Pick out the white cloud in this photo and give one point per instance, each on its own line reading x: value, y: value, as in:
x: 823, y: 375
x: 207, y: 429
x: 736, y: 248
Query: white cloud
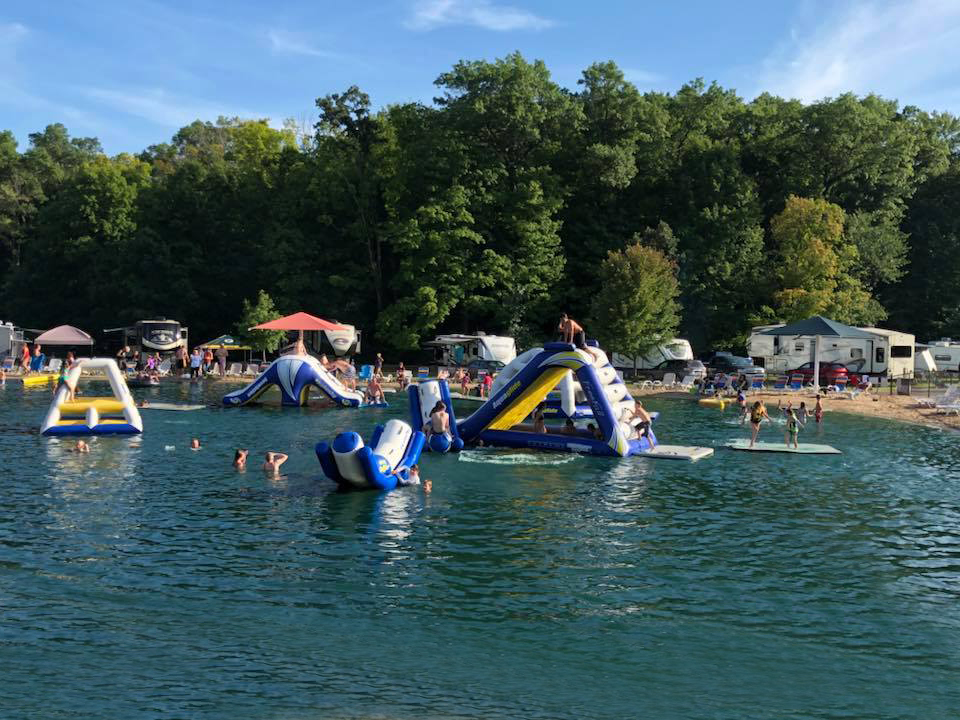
x: 162, y: 108
x: 431, y: 14
x: 901, y: 49
x: 291, y: 44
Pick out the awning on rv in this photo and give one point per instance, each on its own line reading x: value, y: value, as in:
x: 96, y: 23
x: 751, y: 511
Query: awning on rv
x: 819, y: 325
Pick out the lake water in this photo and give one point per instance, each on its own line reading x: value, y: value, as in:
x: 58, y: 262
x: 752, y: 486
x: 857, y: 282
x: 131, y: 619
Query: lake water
x: 146, y: 580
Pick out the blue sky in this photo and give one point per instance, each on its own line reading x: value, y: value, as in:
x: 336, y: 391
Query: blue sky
x: 133, y: 71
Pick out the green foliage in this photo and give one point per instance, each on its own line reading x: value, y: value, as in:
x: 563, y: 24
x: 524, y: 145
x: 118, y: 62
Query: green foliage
x: 256, y: 313
x: 495, y: 207
x: 635, y: 308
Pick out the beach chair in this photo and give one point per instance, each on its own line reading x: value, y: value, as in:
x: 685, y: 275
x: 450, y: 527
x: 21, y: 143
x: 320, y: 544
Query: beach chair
x: 235, y: 369
x: 263, y: 367
x: 251, y: 370
x: 948, y: 397
x: 423, y: 373
x: 780, y: 384
x: 686, y: 383
x: 796, y: 383
x: 163, y: 369
x: 757, y: 384
x: 669, y: 380
x: 366, y: 372
x: 7, y: 365
x: 54, y: 365
x: 862, y: 390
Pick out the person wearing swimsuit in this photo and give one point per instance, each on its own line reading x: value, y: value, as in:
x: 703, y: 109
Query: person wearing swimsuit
x: 757, y: 414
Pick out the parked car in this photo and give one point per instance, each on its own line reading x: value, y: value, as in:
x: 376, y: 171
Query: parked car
x: 831, y: 373
x: 733, y: 365
x: 490, y: 366
x: 680, y: 369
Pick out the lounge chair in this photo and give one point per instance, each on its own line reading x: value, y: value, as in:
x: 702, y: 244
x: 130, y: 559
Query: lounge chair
x: 163, y: 369
x: 235, y: 369
x: 949, y: 396
x: 863, y: 390
x: 7, y: 365
x: 366, y: 372
x: 251, y: 370
x: 796, y: 383
x: 54, y: 365
x: 423, y: 373
x: 780, y: 384
x: 686, y: 383
x: 669, y: 380
x: 756, y: 384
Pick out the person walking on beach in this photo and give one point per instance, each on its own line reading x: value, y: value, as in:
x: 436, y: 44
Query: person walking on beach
x: 378, y: 365
x: 24, y: 358
x: 402, y: 377
x: 757, y: 414
x: 222, y: 360
x: 272, y: 463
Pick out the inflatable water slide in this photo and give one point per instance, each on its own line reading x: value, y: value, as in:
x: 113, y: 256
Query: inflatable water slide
x: 115, y: 415
x: 382, y: 465
x: 294, y: 375
x: 525, y: 383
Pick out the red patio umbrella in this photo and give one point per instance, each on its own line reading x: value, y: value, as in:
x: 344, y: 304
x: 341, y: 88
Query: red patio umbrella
x: 299, y: 321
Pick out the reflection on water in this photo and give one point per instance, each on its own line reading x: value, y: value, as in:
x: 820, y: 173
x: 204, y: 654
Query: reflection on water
x: 142, y: 582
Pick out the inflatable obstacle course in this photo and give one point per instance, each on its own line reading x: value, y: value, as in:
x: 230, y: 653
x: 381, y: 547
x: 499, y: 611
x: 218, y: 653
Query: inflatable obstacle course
x: 423, y: 398
x: 384, y: 464
x: 93, y: 415
x: 294, y: 375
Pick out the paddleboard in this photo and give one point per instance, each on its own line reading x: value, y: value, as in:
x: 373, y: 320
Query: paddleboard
x: 169, y: 406
x: 690, y: 453
x: 804, y: 449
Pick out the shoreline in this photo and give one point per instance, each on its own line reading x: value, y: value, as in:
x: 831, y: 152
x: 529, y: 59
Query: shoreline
x: 901, y: 408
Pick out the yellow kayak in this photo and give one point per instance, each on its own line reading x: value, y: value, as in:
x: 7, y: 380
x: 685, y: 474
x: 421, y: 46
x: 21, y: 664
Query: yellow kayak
x: 713, y: 402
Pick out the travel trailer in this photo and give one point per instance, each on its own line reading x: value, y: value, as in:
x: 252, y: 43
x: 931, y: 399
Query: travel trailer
x: 11, y: 340
x: 675, y: 349
x: 456, y: 350
x: 157, y: 335
x: 945, y: 353
x: 887, y: 354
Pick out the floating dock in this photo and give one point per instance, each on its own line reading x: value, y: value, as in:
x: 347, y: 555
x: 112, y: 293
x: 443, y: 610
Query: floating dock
x: 804, y: 449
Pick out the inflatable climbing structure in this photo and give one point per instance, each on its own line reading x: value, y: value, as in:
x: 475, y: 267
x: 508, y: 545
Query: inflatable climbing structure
x: 93, y: 415
x: 385, y: 463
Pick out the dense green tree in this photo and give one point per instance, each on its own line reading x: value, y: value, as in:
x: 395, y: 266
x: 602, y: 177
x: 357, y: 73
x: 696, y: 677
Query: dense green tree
x: 256, y: 313
x: 635, y: 307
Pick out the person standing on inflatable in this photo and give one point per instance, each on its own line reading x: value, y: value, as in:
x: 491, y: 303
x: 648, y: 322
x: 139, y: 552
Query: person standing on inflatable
x: 572, y: 331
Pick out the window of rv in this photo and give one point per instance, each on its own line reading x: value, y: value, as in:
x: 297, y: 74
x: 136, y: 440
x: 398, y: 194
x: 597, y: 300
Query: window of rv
x: 798, y: 346
x: 901, y: 351
x: 880, y: 355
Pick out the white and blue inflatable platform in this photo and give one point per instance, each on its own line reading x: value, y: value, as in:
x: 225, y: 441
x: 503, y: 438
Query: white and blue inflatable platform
x: 383, y: 465
x: 294, y: 375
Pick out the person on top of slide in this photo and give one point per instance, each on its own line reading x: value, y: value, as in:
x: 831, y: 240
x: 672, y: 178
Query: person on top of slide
x: 573, y: 333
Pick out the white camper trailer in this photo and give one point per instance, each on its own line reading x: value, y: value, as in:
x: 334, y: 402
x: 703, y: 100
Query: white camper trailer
x: 457, y: 350
x: 945, y: 352
x: 887, y: 353
x: 675, y: 349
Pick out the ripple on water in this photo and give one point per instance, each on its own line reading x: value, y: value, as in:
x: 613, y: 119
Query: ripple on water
x: 139, y: 582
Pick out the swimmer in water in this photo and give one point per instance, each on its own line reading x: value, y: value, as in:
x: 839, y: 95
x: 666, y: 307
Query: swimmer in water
x: 240, y: 459
x: 195, y: 443
x: 273, y: 461
x: 81, y: 447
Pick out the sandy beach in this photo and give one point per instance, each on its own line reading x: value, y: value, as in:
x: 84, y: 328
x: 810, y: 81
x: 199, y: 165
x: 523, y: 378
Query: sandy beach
x: 904, y: 408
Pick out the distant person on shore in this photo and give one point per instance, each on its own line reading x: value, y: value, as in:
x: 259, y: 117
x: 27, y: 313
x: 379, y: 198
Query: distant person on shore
x: 485, y: 385
x: 37, y: 362
x: 439, y: 423
x: 183, y: 361
x: 757, y: 414
x: 378, y: 365
x: 25, y: 358
x: 222, y: 360
x: 208, y: 360
x: 350, y: 375
x: 196, y: 359
x: 402, y: 377
x: 464, y: 382
x: 818, y: 410
x: 273, y: 461
x: 240, y: 459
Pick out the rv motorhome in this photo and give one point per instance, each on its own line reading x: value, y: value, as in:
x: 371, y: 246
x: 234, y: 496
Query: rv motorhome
x: 11, y: 340
x: 945, y: 352
x: 675, y: 349
x: 888, y: 353
x: 456, y: 350
x: 157, y: 335
x: 340, y: 342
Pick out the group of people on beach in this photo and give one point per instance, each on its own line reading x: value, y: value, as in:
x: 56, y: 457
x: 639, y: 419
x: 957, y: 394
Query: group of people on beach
x: 795, y: 418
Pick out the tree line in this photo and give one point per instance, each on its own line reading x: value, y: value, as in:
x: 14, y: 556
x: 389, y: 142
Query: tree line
x: 502, y: 203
